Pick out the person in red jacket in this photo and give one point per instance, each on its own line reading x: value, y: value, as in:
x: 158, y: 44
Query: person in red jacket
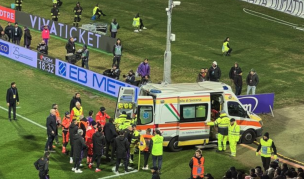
x: 101, y: 117
x: 66, y: 122
x: 89, y: 140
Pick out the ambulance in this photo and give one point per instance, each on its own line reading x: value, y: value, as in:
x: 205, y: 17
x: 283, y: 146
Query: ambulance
x: 180, y: 111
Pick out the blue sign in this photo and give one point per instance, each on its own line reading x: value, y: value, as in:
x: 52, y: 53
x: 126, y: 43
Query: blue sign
x: 4, y: 48
x: 146, y: 115
x: 260, y: 103
x: 91, y: 79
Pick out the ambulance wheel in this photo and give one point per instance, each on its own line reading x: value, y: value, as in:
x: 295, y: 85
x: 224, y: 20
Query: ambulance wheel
x: 248, y: 137
x: 173, y: 145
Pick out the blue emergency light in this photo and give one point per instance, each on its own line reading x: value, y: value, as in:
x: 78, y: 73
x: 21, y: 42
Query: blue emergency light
x: 155, y: 91
x: 225, y: 87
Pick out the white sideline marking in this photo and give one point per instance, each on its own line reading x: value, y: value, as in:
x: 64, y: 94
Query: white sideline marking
x: 121, y: 174
x: 27, y: 119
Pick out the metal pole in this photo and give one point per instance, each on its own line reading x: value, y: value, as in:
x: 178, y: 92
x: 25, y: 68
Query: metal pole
x: 167, y: 56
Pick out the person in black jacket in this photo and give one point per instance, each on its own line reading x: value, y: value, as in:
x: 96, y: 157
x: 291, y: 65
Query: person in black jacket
x: 70, y: 46
x: 238, y: 82
x: 55, y: 12
x: 214, y: 72
x: 17, y: 34
x: 130, y: 78
x: 233, y: 71
x: 73, y: 131
x: 27, y: 38
x: 51, y: 126
x: 42, y: 164
x: 79, y: 145
x: 121, y: 146
x: 42, y: 47
x: 155, y: 174
x: 110, y: 133
x: 77, y: 11
x: 9, y: 31
x: 75, y: 99
x: 98, y: 145
x: 1, y: 28
x: 12, y: 99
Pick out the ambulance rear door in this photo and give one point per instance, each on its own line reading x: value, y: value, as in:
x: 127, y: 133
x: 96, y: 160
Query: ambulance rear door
x: 145, y: 113
x: 125, y: 101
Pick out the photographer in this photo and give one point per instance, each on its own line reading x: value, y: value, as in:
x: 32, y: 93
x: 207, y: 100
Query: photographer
x: 70, y: 46
x: 145, y: 80
x: 112, y: 73
x: 85, y: 57
x: 42, y: 47
x: 130, y: 78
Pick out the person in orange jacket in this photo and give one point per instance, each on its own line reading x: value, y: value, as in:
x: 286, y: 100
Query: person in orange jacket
x: 89, y: 140
x: 58, y: 121
x: 66, y: 122
x: 101, y: 117
x: 146, y: 152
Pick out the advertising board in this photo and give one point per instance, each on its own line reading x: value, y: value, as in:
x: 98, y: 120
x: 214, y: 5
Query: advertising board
x: 7, y: 14
x: 258, y: 104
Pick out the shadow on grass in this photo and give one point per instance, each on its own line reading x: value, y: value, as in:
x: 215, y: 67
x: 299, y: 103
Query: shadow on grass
x: 100, y: 68
x: 239, y: 51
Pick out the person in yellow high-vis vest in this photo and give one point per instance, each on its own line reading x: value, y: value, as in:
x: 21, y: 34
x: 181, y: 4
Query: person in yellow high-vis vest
x: 134, y: 143
x: 156, y: 149
x: 265, y: 149
x: 77, y: 112
x: 120, y: 120
x: 226, y: 48
x: 138, y: 23
x: 233, y: 136
x: 222, y: 122
x: 97, y: 12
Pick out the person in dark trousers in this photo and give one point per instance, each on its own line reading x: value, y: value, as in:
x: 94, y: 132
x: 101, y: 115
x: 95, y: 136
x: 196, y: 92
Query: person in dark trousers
x: 9, y: 31
x: 42, y: 164
x: 130, y: 78
x: 226, y: 47
x: 98, y: 145
x: 55, y: 13
x: 146, y: 152
x: 27, y: 38
x: 17, y: 34
x: 155, y: 174
x: 85, y: 57
x: 265, y: 149
x: 197, y: 165
x: 114, y: 72
x: 156, y: 149
x: 51, y: 126
x: 117, y: 53
x: 78, y: 12
x: 79, y: 145
x: 252, y: 81
x: 18, y: 4
x: 111, y: 134
x: 70, y: 46
x: 215, y: 72
x: 75, y: 99
x: 233, y: 71
x: 42, y: 47
x: 121, y: 147
x: 238, y: 82
x: 114, y: 28
x: 97, y: 12
x: 141, y: 26
x: 73, y: 131
x: 12, y: 99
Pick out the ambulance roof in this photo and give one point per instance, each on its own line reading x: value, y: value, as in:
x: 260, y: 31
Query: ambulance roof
x: 206, y: 86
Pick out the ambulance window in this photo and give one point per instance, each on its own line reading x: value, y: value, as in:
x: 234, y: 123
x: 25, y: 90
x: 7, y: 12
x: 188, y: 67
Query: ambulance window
x: 145, y: 115
x: 235, y: 109
x: 194, y: 112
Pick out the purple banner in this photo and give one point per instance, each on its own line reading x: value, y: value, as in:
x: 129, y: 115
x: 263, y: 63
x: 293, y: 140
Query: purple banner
x: 260, y: 103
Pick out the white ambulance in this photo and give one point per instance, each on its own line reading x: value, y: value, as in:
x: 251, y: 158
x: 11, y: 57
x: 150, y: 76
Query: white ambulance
x: 181, y: 110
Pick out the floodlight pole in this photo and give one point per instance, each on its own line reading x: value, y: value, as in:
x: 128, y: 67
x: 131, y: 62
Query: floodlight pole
x: 167, y: 56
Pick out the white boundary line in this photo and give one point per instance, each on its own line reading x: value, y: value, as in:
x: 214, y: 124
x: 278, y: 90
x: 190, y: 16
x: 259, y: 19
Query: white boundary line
x: 113, y: 176
x: 27, y: 119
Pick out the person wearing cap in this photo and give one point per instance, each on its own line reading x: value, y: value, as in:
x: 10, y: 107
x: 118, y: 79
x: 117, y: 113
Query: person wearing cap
x: 12, y: 100
x: 110, y: 133
x: 214, y: 72
x: 130, y: 78
x: 66, y: 122
x: 121, y: 148
x: 77, y: 111
x: 114, y: 28
x: 17, y: 34
x: 238, y: 82
x: 78, y: 12
x: 55, y: 12
x: 101, y: 117
x: 233, y: 71
x: 252, y: 81
x: 155, y: 174
x: 85, y: 57
x: 78, y: 145
x: 91, y: 129
x: 226, y: 48
x: 265, y: 149
x: 117, y: 52
x: 197, y: 165
x: 73, y: 131
x: 134, y: 142
x: 18, y: 4
x: 233, y: 136
x: 156, y: 149
x: 120, y: 120
x: 222, y: 122
x: 98, y: 146
x: 42, y: 164
x: 27, y: 38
